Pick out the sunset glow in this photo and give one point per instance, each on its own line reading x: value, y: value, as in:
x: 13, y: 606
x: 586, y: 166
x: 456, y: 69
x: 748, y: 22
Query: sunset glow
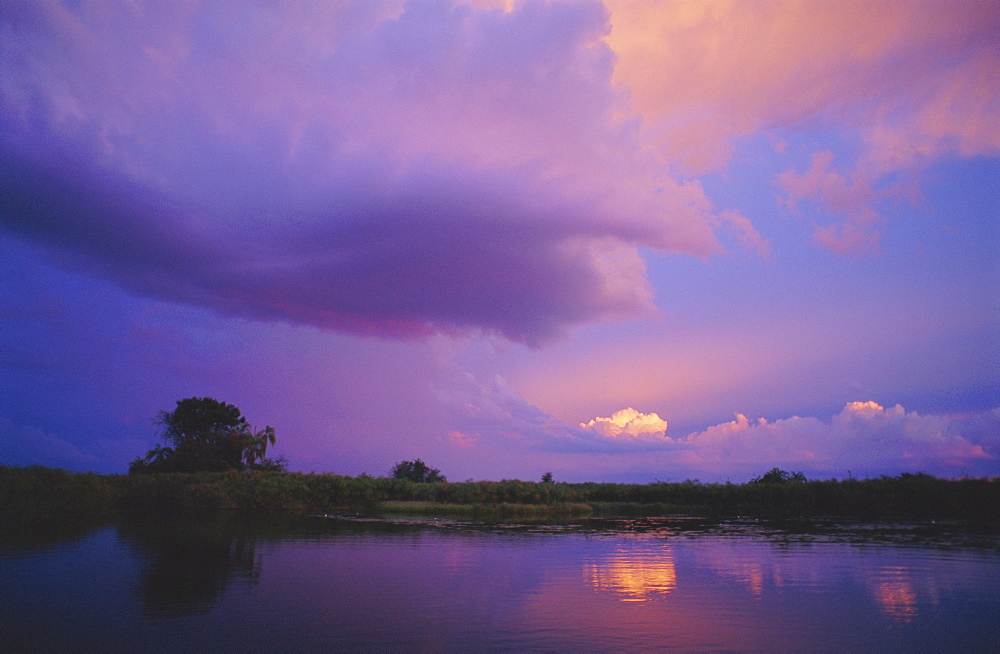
x: 615, y: 241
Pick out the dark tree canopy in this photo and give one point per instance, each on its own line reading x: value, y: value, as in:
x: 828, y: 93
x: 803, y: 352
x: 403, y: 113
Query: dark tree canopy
x: 205, y: 435
x: 417, y: 471
x: 199, y: 419
x: 778, y: 476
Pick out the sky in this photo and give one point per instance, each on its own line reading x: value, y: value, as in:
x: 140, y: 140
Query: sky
x: 626, y: 241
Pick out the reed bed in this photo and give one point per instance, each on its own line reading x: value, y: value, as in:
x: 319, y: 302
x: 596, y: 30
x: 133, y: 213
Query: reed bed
x: 38, y: 493
x: 501, y: 510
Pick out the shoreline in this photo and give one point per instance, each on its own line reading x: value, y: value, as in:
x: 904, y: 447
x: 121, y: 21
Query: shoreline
x: 37, y: 493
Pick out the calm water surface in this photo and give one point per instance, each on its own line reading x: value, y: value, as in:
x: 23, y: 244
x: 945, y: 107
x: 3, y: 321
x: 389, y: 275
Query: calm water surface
x: 436, y: 585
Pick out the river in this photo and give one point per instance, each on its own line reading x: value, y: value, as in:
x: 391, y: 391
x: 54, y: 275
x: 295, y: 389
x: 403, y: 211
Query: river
x: 379, y: 584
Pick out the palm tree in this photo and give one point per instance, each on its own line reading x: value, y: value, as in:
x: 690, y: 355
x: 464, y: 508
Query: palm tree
x: 154, y: 458
x: 256, y: 448
x: 158, y: 454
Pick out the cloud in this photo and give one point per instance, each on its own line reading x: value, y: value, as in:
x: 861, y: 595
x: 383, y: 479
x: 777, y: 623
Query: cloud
x: 744, y: 231
x: 375, y: 168
x: 901, y: 84
x: 629, y: 424
x: 25, y: 445
x: 402, y: 168
x: 495, y: 411
x: 493, y: 414
x: 715, y: 70
x: 864, y: 436
x: 854, y: 201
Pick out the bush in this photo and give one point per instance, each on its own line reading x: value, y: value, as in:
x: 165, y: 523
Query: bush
x: 417, y: 471
x: 778, y: 476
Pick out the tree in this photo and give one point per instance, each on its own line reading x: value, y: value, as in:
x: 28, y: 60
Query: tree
x: 417, y: 471
x: 547, y: 478
x: 779, y: 476
x: 257, y: 449
x: 204, y: 434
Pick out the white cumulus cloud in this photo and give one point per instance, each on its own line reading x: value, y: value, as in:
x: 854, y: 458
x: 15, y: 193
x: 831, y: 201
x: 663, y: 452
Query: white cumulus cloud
x: 628, y: 424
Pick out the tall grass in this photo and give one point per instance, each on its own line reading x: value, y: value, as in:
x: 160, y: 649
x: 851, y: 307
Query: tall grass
x: 502, y: 510
x: 37, y: 493
x: 48, y: 493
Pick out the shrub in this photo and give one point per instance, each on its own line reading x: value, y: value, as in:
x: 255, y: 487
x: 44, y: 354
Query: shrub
x: 417, y: 471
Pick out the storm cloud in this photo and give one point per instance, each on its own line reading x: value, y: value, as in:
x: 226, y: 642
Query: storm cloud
x: 436, y: 168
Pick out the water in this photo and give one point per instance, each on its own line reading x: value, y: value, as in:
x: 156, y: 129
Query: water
x: 434, y: 585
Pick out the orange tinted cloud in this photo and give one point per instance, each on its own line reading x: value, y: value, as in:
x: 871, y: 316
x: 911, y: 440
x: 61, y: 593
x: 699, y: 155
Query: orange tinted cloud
x: 628, y: 423
x: 907, y: 83
x: 706, y: 71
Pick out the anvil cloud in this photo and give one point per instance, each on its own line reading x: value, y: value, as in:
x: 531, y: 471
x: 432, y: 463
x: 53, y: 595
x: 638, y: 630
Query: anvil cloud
x: 360, y: 212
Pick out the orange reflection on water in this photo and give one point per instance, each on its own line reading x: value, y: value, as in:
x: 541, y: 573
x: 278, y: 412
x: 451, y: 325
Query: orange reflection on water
x: 895, y: 594
x: 753, y: 577
x: 634, y: 576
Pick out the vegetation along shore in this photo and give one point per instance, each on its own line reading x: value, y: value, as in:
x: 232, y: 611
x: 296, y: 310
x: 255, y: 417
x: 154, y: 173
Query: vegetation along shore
x: 212, y: 459
x: 35, y: 493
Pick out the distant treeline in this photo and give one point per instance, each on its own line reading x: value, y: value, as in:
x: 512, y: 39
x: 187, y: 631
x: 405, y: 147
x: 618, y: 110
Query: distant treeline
x: 36, y: 493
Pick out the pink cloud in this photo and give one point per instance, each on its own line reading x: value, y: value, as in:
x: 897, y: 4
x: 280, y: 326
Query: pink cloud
x: 721, y: 69
x: 855, y: 200
x: 863, y: 436
x: 909, y: 83
x: 741, y: 227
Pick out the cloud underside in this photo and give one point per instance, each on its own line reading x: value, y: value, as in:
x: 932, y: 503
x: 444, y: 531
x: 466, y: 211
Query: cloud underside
x: 423, y: 264
x: 439, y: 169
x: 404, y: 168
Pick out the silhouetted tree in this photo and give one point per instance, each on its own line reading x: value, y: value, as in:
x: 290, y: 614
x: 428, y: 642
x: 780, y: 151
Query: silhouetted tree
x: 417, y: 471
x: 204, y: 434
x: 779, y: 476
x: 547, y: 478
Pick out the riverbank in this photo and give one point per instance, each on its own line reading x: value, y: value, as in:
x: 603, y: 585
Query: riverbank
x: 37, y: 494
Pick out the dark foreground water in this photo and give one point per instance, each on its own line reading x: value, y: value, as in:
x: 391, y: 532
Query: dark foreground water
x: 434, y: 585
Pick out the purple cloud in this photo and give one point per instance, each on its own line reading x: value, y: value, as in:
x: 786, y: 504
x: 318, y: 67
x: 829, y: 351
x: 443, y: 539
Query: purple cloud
x: 374, y: 171
x: 27, y: 445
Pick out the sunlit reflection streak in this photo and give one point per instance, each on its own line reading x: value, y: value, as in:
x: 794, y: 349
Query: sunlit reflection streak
x: 895, y: 594
x: 754, y: 579
x: 634, y: 576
